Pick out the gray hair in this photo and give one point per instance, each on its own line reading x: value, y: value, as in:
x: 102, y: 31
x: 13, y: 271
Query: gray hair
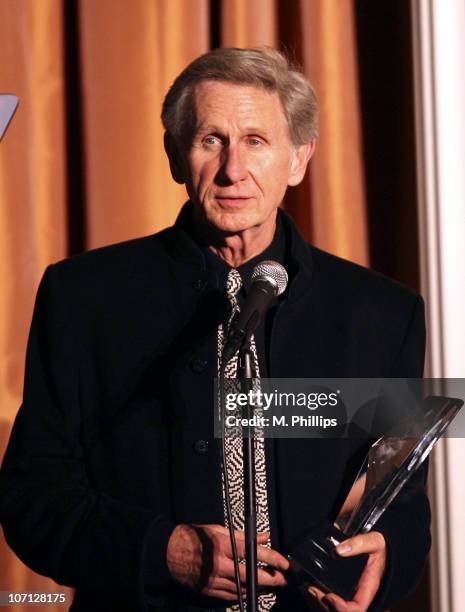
x: 262, y: 67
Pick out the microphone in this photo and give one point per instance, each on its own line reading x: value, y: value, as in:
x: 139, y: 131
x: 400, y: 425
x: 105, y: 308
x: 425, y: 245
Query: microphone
x: 268, y: 280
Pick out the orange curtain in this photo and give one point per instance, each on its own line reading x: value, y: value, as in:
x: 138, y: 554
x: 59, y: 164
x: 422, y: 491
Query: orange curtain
x: 91, y: 138
x: 131, y: 53
x: 249, y: 23
x: 33, y: 204
x: 336, y: 180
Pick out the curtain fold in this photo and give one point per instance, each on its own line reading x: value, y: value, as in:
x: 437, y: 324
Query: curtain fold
x: 248, y: 23
x: 33, y: 221
x: 32, y: 172
x: 336, y: 180
x: 131, y: 53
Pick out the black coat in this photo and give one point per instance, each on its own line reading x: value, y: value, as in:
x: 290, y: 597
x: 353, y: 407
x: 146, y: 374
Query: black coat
x: 113, y: 445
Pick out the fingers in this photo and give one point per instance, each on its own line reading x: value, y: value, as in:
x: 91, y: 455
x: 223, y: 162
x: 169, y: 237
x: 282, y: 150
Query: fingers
x: 220, y: 583
x: 314, y: 599
x: 225, y: 595
x: 272, y: 557
x: 266, y: 577
x: 219, y: 578
x: 365, y: 543
x: 334, y: 603
x: 265, y: 554
x: 316, y: 592
x: 374, y: 544
x: 227, y: 569
x: 271, y: 578
x: 264, y: 536
x: 240, y: 535
x: 370, y: 579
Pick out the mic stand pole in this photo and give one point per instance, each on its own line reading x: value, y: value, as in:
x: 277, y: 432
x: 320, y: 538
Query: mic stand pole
x: 246, y: 375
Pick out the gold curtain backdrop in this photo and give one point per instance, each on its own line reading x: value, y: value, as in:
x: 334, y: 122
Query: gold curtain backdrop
x: 131, y: 53
x: 33, y: 203
x: 125, y: 55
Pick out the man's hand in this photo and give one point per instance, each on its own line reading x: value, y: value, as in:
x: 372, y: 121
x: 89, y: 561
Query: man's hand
x: 372, y: 543
x: 200, y: 558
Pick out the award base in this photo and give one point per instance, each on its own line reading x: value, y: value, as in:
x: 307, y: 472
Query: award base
x: 314, y: 561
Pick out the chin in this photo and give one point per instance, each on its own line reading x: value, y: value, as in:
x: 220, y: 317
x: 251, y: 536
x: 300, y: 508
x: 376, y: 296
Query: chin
x: 233, y: 223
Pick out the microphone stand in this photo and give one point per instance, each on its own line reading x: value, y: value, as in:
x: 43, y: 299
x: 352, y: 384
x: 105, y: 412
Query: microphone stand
x: 246, y: 375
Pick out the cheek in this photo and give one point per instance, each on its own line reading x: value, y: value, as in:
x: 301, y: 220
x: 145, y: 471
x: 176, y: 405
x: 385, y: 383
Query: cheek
x: 273, y: 173
x: 205, y: 174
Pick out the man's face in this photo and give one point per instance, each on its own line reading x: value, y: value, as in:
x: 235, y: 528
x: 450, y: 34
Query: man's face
x: 240, y: 159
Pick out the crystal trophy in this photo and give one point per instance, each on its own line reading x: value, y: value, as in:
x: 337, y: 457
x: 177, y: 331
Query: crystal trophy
x: 390, y: 462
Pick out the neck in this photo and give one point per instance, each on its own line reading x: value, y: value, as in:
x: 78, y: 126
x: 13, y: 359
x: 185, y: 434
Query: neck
x: 236, y: 249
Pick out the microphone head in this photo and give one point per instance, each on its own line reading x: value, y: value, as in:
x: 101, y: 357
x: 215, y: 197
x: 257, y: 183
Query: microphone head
x: 273, y: 272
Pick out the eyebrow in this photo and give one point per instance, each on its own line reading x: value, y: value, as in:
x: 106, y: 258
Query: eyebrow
x: 214, y: 129
x: 207, y: 128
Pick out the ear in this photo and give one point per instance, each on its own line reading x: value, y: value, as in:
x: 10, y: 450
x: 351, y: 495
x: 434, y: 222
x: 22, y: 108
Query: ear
x: 173, y: 152
x: 300, y: 158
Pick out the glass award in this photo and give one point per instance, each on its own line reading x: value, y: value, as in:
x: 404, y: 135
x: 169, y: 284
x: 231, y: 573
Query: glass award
x: 390, y: 462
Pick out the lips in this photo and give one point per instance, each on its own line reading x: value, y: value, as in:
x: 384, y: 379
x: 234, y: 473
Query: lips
x: 231, y: 197
x: 232, y: 200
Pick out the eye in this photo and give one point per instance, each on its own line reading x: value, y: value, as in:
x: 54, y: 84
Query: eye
x: 211, y: 140
x: 254, y: 141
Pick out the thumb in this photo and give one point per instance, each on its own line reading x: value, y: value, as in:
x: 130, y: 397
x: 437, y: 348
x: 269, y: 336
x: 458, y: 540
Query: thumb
x: 364, y: 543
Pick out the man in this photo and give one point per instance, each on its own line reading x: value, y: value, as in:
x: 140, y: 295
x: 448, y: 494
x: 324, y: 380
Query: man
x: 111, y: 482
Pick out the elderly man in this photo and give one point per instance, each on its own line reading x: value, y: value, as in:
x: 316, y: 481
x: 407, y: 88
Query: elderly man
x: 112, y: 482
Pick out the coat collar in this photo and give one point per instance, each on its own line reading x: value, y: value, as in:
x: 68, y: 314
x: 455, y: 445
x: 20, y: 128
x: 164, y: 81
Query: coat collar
x: 299, y: 260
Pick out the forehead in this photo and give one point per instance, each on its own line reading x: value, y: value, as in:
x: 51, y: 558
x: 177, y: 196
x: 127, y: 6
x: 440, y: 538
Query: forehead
x: 221, y: 103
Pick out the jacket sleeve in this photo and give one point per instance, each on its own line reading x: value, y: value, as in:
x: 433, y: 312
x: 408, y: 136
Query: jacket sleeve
x: 406, y: 522
x: 52, y: 518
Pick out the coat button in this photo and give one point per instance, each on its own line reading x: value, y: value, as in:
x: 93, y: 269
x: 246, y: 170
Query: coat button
x: 201, y: 447
x: 198, y: 365
x: 200, y: 285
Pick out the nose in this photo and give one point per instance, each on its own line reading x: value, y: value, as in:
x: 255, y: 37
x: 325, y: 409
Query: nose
x: 234, y: 167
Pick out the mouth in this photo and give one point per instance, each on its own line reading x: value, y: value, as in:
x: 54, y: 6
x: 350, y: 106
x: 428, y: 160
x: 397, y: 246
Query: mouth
x: 232, y: 201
